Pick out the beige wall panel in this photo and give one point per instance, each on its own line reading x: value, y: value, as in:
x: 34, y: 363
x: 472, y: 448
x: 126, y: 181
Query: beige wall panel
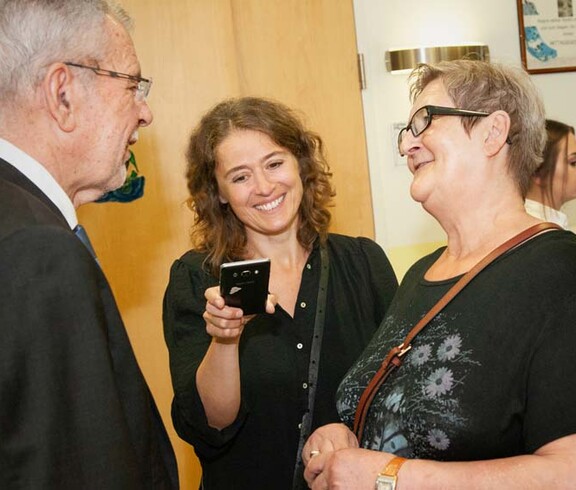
x: 198, y: 52
x: 303, y: 52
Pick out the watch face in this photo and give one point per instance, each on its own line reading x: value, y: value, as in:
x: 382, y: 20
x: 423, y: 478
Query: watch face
x: 386, y: 482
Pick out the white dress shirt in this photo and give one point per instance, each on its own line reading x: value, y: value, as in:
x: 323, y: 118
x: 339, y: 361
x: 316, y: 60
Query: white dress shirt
x: 546, y: 213
x: 43, y: 179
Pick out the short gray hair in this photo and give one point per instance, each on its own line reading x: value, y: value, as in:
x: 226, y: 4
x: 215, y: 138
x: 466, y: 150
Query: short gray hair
x: 37, y: 33
x: 488, y: 87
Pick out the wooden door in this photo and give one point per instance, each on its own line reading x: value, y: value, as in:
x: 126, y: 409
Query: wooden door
x: 301, y: 52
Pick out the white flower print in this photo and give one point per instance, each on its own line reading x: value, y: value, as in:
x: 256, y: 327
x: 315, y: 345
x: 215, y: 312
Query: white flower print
x: 419, y: 411
x: 450, y: 348
x: 394, y: 400
x: 438, y: 439
x: 439, y: 382
x: 420, y: 355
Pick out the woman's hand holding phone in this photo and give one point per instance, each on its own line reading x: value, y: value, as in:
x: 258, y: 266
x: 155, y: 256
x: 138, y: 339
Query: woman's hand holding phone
x: 226, y: 323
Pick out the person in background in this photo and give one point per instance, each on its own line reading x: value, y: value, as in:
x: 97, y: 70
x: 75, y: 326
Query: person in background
x: 485, y: 396
x: 260, y: 188
x: 75, y: 410
x: 554, y: 182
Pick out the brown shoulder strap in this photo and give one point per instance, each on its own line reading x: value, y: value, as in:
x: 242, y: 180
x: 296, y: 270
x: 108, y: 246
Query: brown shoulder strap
x: 464, y: 280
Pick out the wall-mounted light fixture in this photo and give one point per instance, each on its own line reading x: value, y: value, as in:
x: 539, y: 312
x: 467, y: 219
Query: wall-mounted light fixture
x: 404, y: 60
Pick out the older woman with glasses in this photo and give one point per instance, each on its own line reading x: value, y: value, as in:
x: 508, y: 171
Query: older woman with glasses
x: 483, y: 395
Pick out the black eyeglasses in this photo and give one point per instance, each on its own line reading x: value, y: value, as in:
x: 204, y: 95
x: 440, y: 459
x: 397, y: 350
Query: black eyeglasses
x: 422, y: 118
x: 142, y: 89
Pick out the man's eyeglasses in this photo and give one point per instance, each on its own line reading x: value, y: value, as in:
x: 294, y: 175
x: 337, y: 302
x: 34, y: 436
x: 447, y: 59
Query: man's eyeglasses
x: 422, y: 118
x: 143, y: 84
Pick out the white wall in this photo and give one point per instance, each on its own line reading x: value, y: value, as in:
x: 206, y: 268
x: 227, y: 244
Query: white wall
x: 389, y: 24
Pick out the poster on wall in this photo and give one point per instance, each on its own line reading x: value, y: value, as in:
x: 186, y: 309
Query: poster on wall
x: 547, y: 35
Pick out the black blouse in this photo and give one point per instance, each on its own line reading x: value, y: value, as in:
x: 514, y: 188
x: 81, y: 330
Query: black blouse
x: 258, y: 451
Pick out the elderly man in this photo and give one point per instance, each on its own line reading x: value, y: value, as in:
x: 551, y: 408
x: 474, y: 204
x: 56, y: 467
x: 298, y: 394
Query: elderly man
x: 75, y: 410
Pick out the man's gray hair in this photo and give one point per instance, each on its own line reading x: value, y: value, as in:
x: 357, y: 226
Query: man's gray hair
x: 37, y: 33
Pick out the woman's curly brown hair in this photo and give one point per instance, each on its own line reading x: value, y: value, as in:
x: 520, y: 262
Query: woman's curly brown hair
x: 217, y: 231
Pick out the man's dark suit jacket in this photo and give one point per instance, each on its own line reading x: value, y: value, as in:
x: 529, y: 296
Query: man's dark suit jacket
x: 75, y: 410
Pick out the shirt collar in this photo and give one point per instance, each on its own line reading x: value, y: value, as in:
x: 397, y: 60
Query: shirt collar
x: 546, y: 213
x: 38, y: 174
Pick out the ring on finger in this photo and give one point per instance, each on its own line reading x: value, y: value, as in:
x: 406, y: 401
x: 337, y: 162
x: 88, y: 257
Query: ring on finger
x: 313, y: 453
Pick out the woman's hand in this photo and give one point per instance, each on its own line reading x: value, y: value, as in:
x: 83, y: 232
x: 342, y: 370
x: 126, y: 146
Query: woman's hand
x: 223, y: 323
x: 226, y: 323
x: 328, y: 438
x: 345, y: 469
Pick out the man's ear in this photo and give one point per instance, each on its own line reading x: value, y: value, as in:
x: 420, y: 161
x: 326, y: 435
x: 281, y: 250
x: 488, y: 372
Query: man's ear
x: 58, y: 89
x: 498, y: 127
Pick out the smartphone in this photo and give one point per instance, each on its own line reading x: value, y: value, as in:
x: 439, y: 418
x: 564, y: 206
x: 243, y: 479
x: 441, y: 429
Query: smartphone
x: 244, y: 284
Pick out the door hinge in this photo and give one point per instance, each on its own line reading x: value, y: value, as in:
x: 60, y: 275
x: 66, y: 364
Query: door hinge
x: 361, y: 71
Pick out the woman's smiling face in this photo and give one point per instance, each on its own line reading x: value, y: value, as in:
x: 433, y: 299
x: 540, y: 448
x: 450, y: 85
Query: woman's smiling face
x: 443, y: 158
x: 260, y: 181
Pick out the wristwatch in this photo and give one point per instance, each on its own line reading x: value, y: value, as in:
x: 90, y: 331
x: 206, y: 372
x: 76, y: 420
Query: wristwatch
x: 388, y: 477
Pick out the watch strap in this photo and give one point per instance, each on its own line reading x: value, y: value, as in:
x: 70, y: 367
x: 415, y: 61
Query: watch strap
x: 393, y: 466
x: 388, y: 477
